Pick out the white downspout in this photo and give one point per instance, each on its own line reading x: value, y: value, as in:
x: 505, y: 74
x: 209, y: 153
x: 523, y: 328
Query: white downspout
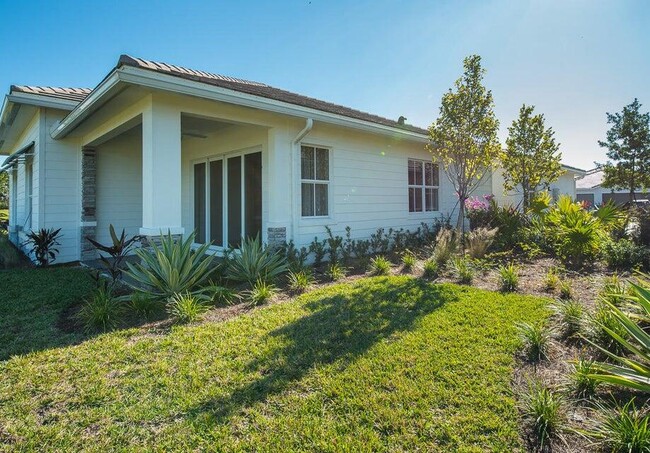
x: 309, y: 124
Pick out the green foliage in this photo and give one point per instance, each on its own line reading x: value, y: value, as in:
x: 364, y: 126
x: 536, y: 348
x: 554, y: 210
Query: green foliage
x: 10, y: 257
x: 255, y: 262
x: 614, y: 290
x: 379, y: 265
x: 536, y: 340
x: 408, y: 260
x: 509, y: 277
x: 551, y: 280
x: 628, y: 149
x: 463, y: 269
x: 317, y: 247
x: 335, y: 272
x: 510, y: 223
x: 446, y: 246
x: 478, y: 241
x: 144, y: 305
x: 581, y: 382
x: 622, y: 429
x: 301, y: 280
x: 531, y: 160
x: 544, y: 410
x: 464, y: 137
x: 571, y: 315
x: 172, y: 267
x: 261, y: 292
x: 43, y: 244
x: 334, y: 246
x: 185, y: 308
x: 117, y: 252
x: 296, y: 258
x: 605, y: 328
x: 566, y: 289
x: 102, y: 312
x: 431, y: 269
x: 624, y: 254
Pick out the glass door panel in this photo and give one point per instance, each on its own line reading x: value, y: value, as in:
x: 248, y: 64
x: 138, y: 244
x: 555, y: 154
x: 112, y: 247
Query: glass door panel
x: 216, y: 202
x: 199, y: 202
x: 234, y: 201
x: 253, y: 194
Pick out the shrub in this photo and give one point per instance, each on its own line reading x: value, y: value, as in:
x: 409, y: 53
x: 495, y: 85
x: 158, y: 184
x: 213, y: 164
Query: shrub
x: 43, y: 244
x: 318, y: 249
x: 622, y: 429
x: 624, y: 254
x: 613, y: 291
x: 255, y: 262
x: 431, y: 269
x: 300, y: 281
x: 185, y: 308
x: 478, y: 241
x: 143, y: 304
x: 581, y: 381
x: 551, y: 281
x: 261, y: 292
x: 446, y: 245
x: 509, y: 276
x: 172, y: 267
x: 295, y: 257
x: 479, y: 211
x: 335, y: 272
x: 408, y: 260
x: 510, y: 222
x: 571, y: 314
x: 536, y: 340
x: 544, y: 409
x: 605, y: 329
x: 102, y: 312
x: 380, y: 266
x: 566, y: 290
x: 463, y: 270
x: 117, y: 252
x: 334, y: 245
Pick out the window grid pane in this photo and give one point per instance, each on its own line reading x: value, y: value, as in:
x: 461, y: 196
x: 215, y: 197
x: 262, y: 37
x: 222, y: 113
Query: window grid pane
x: 322, y: 164
x: 307, y: 163
x: 415, y: 199
x: 320, y: 199
x: 431, y: 199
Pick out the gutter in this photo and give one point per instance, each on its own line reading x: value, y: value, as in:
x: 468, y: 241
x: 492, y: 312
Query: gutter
x: 309, y: 124
x: 9, y: 162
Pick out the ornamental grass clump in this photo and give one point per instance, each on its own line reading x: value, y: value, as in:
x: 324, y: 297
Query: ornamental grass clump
x: 544, y: 410
x: 536, y: 339
x: 478, y: 241
x: 408, y: 261
x: 301, y: 280
x: 380, y: 266
x: 431, y: 269
x: 261, y: 292
x: 254, y: 262
x: 446, y: 246
x: 571, y: 316
x: 335, y: 272
x: 186, y: 308
x: 509, y: 278
x: 622, y: 428
x: 581, y: 382
x: 463, y: 270
x: 102, y: 312
x: 551, y: 281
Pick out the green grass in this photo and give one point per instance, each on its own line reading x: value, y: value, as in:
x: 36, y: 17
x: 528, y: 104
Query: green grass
x: 384, y: 364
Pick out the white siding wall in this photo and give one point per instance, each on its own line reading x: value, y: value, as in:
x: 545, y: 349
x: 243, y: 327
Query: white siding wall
x: 119, y: 185
x: 565, y: 185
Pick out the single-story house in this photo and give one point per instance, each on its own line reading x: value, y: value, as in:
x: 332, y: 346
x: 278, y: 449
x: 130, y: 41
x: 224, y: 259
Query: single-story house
x: 161, y: 148
x: 590, y: 189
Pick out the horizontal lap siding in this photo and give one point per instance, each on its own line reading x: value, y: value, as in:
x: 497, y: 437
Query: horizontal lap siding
x: 62, y: 188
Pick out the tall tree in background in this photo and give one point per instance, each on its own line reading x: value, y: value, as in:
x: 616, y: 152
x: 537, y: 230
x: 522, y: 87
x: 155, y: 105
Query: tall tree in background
x: 464, y: 137
x: 4, y: 190
x: 628, y: 150
x: 531, y: 160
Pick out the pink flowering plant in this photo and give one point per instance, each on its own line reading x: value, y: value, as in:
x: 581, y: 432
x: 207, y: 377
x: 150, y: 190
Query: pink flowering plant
x: 479, y: 210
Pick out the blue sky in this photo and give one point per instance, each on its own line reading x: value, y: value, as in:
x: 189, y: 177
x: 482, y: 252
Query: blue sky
x: 573, y: 60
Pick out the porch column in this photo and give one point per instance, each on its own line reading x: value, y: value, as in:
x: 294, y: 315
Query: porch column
x: 161, y: 170
x: 279, y: 186
x: 88, y: 203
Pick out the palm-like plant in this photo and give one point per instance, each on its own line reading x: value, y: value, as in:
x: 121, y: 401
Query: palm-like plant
x: 117, y: 251
x: 172, y: 267
x: 43, y: 245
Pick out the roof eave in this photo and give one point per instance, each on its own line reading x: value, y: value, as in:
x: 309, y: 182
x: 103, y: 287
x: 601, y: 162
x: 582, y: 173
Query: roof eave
x: 165, y: 82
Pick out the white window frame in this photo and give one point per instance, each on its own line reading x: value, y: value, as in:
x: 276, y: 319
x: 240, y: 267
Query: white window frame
x: 422, y: 186
x: 316, y: 181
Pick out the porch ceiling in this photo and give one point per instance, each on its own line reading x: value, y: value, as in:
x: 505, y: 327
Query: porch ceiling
x: 200, y: 127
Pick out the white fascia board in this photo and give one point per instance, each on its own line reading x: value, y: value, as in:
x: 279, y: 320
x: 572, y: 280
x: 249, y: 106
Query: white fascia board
x: 165, y: 82
x: 41, y: 101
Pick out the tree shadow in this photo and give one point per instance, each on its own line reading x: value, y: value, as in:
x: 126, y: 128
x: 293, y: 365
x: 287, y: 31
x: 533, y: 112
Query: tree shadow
x: 338, y: 329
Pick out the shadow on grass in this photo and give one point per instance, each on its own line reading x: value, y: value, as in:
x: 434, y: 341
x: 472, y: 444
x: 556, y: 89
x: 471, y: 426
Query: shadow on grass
x: 338, y: 329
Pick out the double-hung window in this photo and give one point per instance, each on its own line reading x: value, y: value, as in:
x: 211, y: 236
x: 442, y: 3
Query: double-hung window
x: 424, y: 182
x: 315, y: 180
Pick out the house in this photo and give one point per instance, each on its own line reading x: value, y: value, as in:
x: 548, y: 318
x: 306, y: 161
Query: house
x: 590, y: 189
x: 158, y: 148
x: 564, y: 185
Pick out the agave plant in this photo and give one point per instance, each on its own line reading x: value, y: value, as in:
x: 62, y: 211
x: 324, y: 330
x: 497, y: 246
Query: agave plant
x: 254, y: 262
x: 631, y: 370
x: 43, y: 245
x: 117, y: 251
x: 172, y: 267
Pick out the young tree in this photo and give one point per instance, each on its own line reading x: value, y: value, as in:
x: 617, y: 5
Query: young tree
x: 628, y: 150
x: 464, y: 137
x: 531, y: 160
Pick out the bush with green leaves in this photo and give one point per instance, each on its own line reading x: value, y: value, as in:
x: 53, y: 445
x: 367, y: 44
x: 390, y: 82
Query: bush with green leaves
x: 102, y: 312
x: 172, y: 267
x: 254, y: 262
x: 624, y: 254
x: 318, y: 248
x: 335, y: 272
x: 622, y: 428
x: 43, y: 244
x: 571, y: 316
x: 379, y: 265
x: 185, y: 308
x: 536, y: 340
x: 408, y: 260
x: 431, y: 269
x: 300, y: 281
x: 463, y: 269
x: 509, y: 277
x: 261, y: 292
x: 544, y: 410
x: 581, y: 382
x: 479, y: 240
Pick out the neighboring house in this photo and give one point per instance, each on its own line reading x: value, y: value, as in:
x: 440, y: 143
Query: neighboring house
x: 590, y: 189
x: 565, y: 185
x: 159, y: 148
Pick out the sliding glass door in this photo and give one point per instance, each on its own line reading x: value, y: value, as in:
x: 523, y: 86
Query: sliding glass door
x: 228, y: 199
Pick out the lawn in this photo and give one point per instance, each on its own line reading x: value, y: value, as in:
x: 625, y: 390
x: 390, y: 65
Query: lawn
x: 383, y: 364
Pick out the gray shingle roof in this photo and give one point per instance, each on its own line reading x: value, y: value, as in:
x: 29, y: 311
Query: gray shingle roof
x: 262, y: 90
x: 70, y: 94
